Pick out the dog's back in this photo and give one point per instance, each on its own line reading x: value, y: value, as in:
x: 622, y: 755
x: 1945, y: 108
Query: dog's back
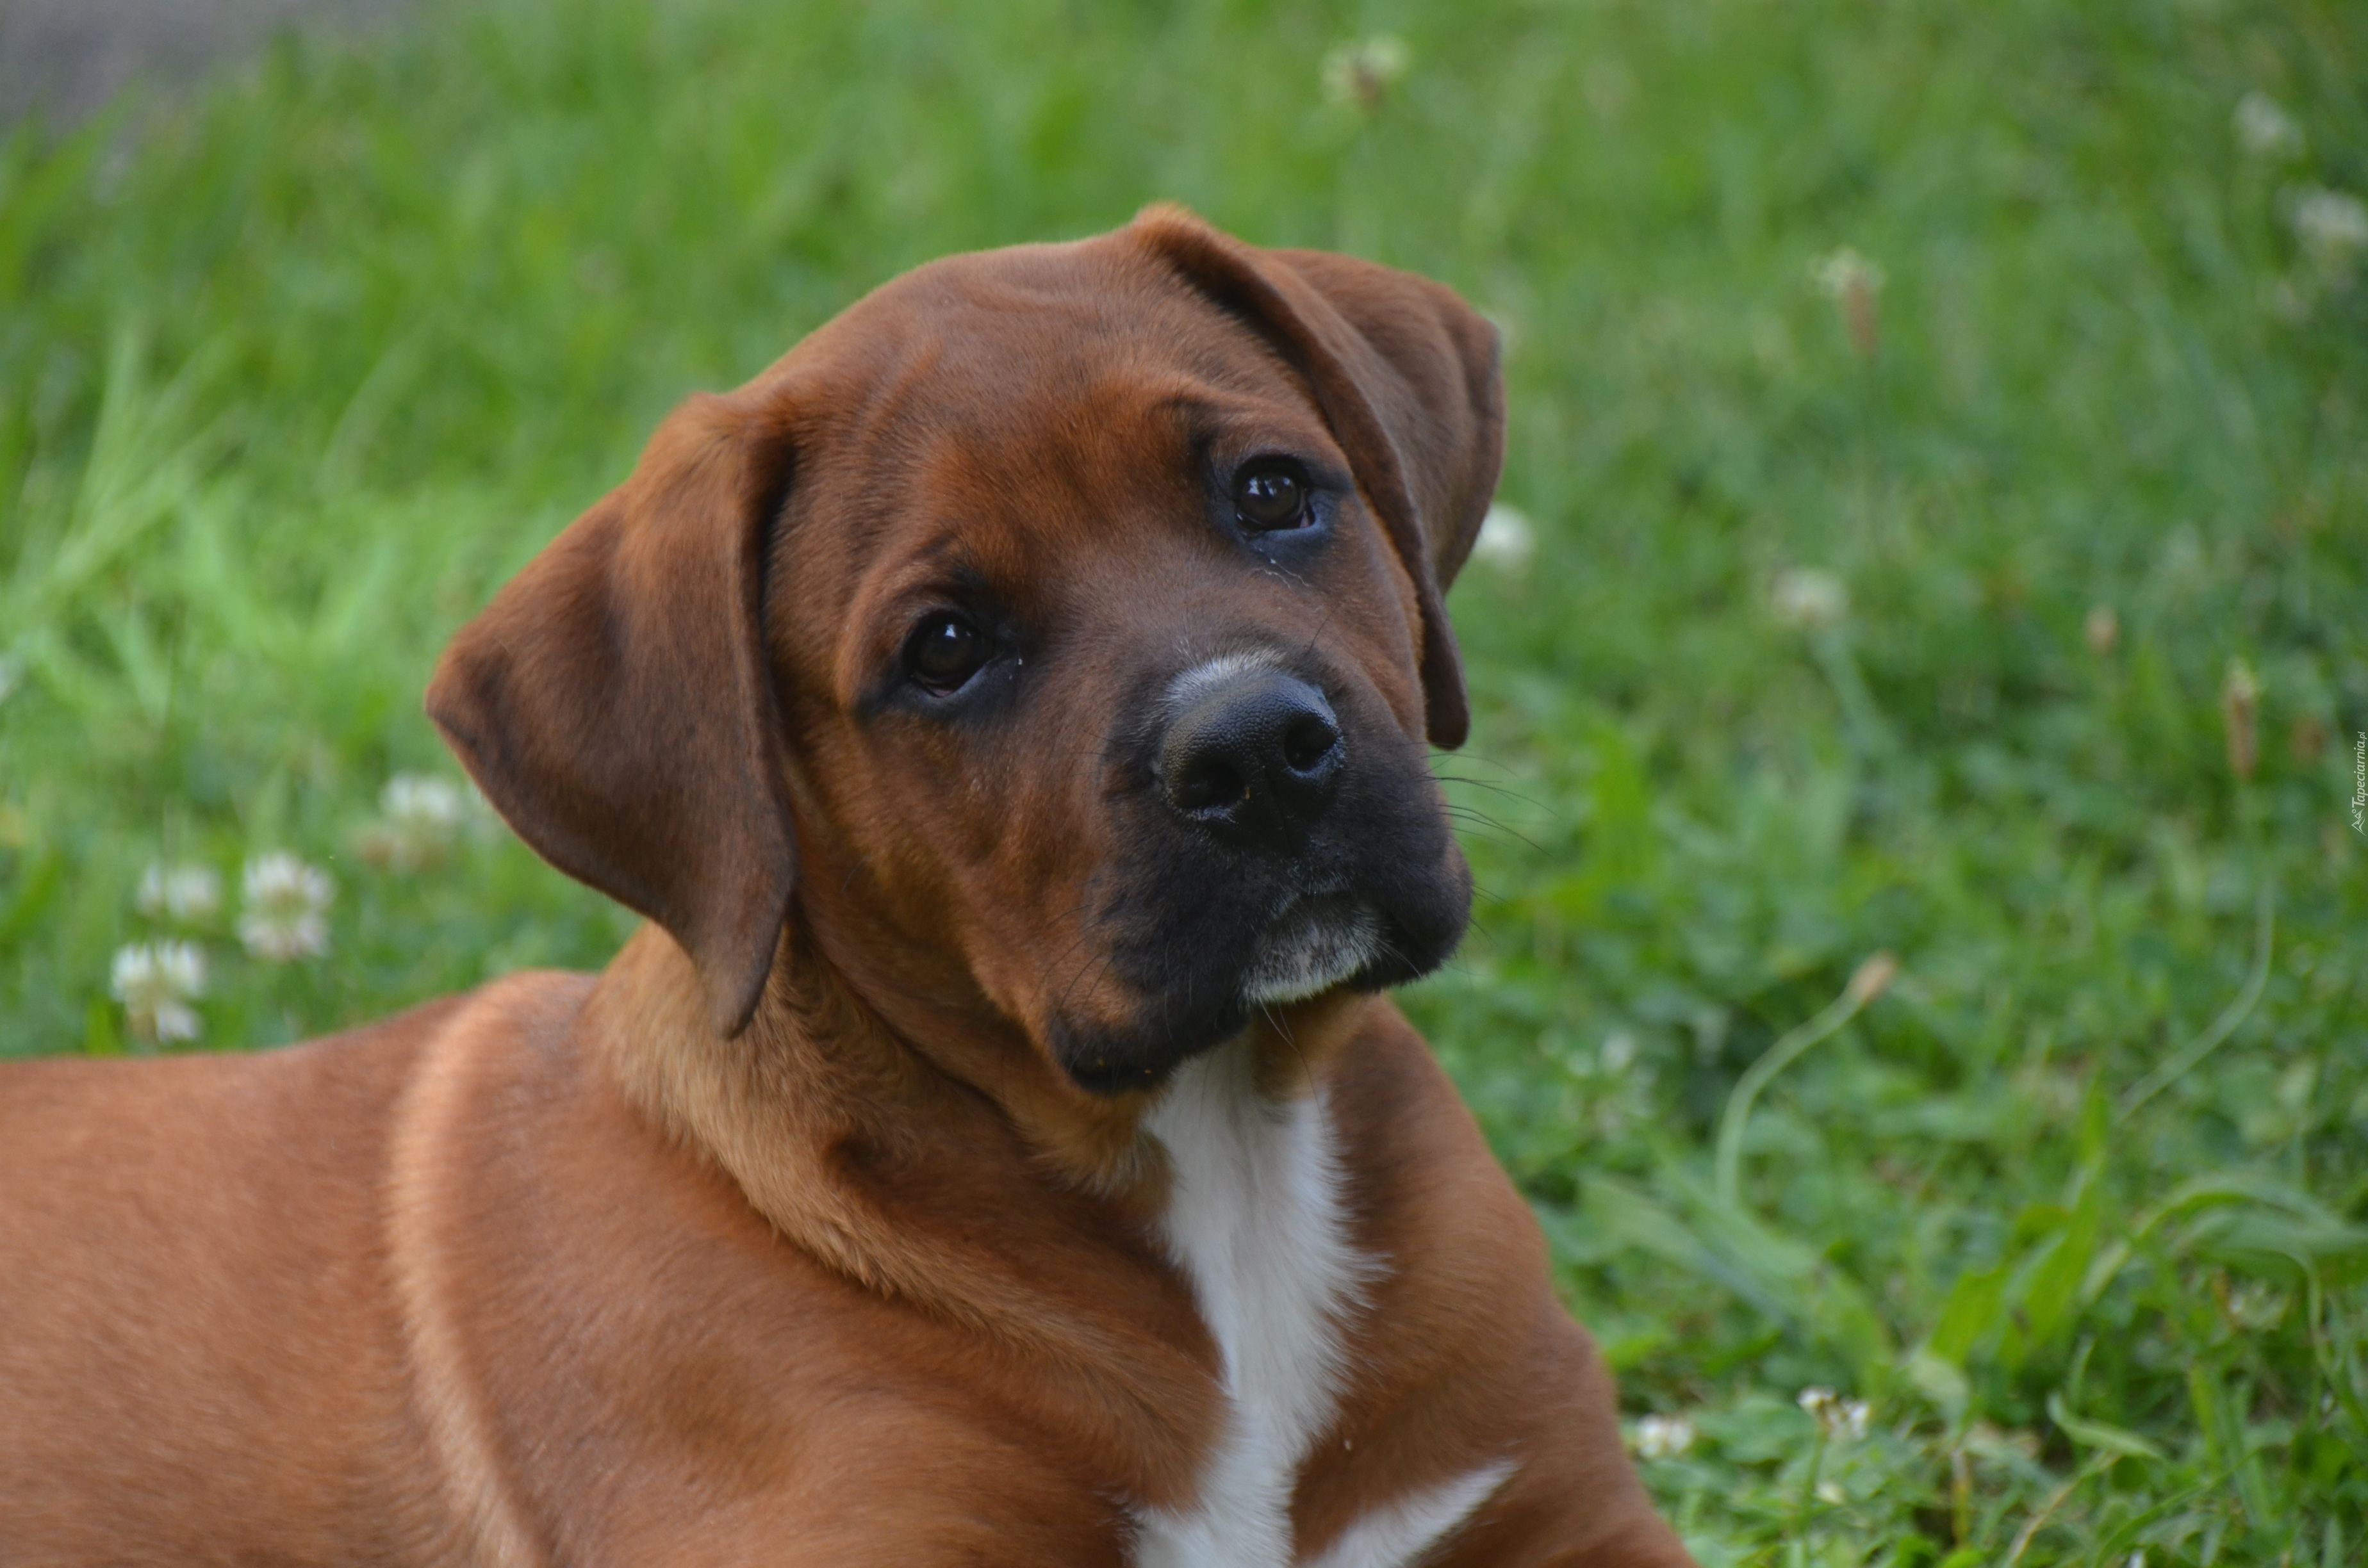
x: 194, y: 1318
x: 431, y: 1292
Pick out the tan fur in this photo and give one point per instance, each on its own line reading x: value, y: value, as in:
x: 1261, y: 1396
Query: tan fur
x: 789, y: 1237
x: 445, y: 1400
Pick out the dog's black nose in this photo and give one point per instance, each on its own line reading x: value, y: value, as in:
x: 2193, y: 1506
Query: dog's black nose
x: 1256, y: 754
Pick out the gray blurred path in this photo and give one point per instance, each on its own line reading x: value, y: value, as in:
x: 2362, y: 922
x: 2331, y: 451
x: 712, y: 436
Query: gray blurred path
x: 71, y: 56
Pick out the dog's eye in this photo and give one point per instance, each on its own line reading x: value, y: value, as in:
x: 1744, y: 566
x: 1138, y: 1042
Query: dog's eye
x: 944, y: 653
x: 1271, y: 496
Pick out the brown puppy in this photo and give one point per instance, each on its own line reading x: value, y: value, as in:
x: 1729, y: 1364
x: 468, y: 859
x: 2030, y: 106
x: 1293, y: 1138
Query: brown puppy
x: 1009, y: 709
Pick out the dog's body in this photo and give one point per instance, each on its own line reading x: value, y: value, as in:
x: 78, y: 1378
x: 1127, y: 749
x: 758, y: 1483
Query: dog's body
x: 518, y: 1325
x: 994, y: 1151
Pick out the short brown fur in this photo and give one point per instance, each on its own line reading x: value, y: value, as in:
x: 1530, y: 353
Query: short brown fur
x: 789, y: 1236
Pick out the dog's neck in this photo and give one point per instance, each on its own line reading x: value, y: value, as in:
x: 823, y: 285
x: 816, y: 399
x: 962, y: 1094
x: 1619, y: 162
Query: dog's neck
x: 959, y: 1174
x: 819, y: 1070
x: 832, y: 1052
x: 822, y: 1104
x: 872, y: 1161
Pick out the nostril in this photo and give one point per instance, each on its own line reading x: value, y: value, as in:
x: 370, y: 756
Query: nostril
x: 1256, y: 757
x: 1309, y: 742
x: 1214, y: 783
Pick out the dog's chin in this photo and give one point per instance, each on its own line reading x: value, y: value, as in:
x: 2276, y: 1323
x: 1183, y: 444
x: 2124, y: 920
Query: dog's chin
x: 1314, y: 944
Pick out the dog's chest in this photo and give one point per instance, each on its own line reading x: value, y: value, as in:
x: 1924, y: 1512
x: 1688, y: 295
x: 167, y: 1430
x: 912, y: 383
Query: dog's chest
x: 1256, y: 1222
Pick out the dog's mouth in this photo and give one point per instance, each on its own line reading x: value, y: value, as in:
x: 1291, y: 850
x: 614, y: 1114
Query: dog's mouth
x: 1247, y: 877
x: 1311, y: 944
x: 1315, y: 942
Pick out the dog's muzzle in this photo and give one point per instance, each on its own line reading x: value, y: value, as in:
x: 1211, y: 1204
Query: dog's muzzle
x: 1281, y: 838
x: 1254, y: 755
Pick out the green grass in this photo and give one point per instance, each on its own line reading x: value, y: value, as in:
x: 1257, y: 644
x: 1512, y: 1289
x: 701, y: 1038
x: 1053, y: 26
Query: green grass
x: 290, y: 379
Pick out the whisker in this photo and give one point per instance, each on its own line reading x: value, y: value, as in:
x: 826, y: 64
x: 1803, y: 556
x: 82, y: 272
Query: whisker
x: 1472, y: 818
x: 1496, y: 788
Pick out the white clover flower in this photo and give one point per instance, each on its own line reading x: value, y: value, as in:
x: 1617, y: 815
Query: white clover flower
x: 2102, y: 629
x: 2240, y: 709
x: 422, y: 816
x: 422, y: 798
x: 186, y: 893
x: 1808, y: 597
x: 155, y: 981
x: 1842, y: 273
x: 1505, y: 541
x: 2256, y: 1306
x: 286, y: 915
x: 2332, y: 228
x: 1363, y: 72
x: 1664, y: 1437
x: 2264, y: 130
x: 1841, y: 1420
x: 1854, y: 284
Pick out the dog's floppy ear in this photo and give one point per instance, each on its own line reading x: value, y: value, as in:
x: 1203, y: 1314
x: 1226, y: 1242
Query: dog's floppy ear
x: 1408, y: 377
x: 616, y: 704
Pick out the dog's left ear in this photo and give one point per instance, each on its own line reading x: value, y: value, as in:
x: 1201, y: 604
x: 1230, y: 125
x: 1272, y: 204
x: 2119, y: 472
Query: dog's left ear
x: 1408, y: 376
x: 616, y: 704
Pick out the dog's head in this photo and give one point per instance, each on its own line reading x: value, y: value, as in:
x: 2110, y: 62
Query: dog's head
x: 1060, y: 625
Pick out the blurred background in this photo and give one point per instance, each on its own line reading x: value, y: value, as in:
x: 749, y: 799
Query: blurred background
x: 1921, y: 656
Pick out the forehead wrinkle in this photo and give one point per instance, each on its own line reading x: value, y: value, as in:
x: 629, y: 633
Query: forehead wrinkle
x: 872, y: 432
x: 1041, y: 338
x: 1205, y: 409
x: 1063, y: 309
x: 1042, y: 455
x: 971, y: 558
x: 1120, y: 413
x: 1073, y: 335
x: 876, y: 391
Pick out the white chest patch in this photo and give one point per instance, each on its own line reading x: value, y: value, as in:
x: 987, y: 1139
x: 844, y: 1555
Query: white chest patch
x: 1255, y: 1221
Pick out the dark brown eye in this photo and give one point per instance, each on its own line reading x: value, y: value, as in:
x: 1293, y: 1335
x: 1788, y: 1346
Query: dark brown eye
x: 944, y: 653
x: 1271, y: 496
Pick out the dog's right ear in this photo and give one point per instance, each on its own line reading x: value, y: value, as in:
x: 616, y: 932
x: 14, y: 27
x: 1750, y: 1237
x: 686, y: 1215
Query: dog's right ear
x: 615, y: 702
